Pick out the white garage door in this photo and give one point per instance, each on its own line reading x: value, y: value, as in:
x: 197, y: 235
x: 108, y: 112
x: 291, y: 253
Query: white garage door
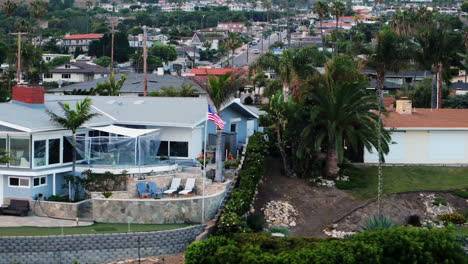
x: 397, y: 148
x: 447, y: 145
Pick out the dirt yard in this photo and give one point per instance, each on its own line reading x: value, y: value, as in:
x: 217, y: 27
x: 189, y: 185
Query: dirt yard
x: 168, y: 259
x: 317, y: 206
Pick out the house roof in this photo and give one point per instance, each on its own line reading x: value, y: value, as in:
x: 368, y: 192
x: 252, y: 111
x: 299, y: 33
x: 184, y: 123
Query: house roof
x: 238, y: 106
x: 134, y: 83
x: 151, y: 111
x: 428, y: 118
x: 84, y: 36
x: 211, y: 71
x: 84, y: 67
x: 400, y: 74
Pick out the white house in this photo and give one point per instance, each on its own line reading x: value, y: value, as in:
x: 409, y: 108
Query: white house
x: 72, y: 42
x: 48, y: 57
x: 425, y: 136
x: 75, y: 72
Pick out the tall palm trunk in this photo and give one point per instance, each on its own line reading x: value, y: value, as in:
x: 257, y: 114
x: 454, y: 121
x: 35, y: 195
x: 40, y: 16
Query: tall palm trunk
x: 71, y: 194
x: 434, y: 95
x: 233, y: 52
x: 380, y: 86
x: 219, y: 156
x: 283, y: 154
x: 323, y: 38
x: 331, y: 165
x: 439, y: 94
x: 286, y: 90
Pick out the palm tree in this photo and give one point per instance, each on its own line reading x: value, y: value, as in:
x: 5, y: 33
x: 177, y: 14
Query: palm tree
x: 233, y: 42
x: 111, y: 87
x: 387, y: 56
x: 187, y: 90
x: 267, y: 5
x: 337, y: 9
x: 72, y: 120
x: 277, y: 109
x: 220, y: 90
x: 344, y: 115
x: 9, y: 7
x: 38, y: 9
x: 322, y: 10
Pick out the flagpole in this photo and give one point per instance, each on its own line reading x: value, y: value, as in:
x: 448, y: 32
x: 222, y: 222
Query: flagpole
x: 204, y: 170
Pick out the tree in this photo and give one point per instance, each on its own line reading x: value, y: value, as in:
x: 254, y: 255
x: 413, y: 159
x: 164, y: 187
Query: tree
x: 72, y: 120
x: 387, y: 56
x: 233, y: 42
x: 464, y: 6
x: 220, y: 90
x: 57, y: 61
x: 337, y: 9
x: 111, y: 87
x: 166, y: 53
x: 38, y: 9
x: 277, y: 109
x: 344, y: 115
x: 9, y: 7
x: 102, y: 47
x: 153, y: 62
x: 3, y: 51
x: 105, y: 61
x: 322, y: 10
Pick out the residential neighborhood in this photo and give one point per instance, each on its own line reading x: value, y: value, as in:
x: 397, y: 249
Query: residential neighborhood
x: 215, y: 131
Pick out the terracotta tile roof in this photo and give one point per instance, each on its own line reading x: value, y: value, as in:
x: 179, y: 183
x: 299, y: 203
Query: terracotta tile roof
x: 422, y: 117
x: 389, y: 101
x: 213, y: 71
x: 84, y: 36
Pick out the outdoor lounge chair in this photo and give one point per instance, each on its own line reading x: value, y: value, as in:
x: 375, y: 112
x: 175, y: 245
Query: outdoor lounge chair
x: 154, y: 190
x: 189, y: 187
x: 174, y: 186
x: 16, y: 207
x: 143, y: 190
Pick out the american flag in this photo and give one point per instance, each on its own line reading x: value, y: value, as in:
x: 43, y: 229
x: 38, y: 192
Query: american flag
x: 213, y: 116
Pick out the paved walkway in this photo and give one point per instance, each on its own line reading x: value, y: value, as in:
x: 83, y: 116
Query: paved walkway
x: 15, y: 221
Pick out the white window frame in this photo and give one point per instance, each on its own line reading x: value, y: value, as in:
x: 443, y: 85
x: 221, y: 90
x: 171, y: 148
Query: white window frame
x: 19, y: 180
x: 40, y: 184
x: 30, y: 150
x: 66, y: 74
x: 47, y: 138
x: 48, y: 75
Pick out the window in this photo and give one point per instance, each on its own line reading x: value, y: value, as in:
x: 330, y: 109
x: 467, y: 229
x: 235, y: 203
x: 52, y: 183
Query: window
x: 3, y: 148
x: 39, y: 181
x: 47, y: 75
x: 163, y: 149
x: 54, y: 151
x: 233, y: 128
x: 18, y: 182
x: 67, y: 151
x: 67, y: 66
x: 66, y: 76
x: 19, y: 152
x: 178, y: 149
x: 40, y: 153
x: 47, y: 58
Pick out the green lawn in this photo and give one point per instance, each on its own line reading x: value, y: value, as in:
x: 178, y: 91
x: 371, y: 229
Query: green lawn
x: 407, y: 178
x: 98, y: 228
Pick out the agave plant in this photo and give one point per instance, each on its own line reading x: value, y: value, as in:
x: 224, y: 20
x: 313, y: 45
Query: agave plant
x: 377, y: 222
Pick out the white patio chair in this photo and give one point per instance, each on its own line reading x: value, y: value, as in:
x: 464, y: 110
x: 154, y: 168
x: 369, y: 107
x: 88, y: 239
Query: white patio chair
x: 189, y: 186
x: 174, y: 186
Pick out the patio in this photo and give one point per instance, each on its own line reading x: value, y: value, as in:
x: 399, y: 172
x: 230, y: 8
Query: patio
x: 38, y: 221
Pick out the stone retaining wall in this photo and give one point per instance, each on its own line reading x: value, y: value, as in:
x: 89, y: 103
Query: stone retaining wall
x: 156, y: 211
x: 59, y: 209
x: 100, y: 248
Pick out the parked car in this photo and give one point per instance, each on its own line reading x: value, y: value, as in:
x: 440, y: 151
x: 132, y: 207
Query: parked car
x: 254, y: 43
x: 256, y: 51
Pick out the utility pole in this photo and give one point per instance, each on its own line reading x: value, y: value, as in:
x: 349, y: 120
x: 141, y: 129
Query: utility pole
x: 18, y: 70
x: 112, y: 21
x: 145, y: 55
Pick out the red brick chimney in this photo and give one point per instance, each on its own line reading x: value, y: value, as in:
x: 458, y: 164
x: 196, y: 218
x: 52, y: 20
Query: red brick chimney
x: 28, y: 94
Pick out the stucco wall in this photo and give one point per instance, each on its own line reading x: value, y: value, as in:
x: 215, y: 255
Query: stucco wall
x: 425, y: 147
x: 156, y: 211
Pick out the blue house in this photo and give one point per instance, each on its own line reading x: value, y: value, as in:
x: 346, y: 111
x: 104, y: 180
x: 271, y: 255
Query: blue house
x: 241, y: 123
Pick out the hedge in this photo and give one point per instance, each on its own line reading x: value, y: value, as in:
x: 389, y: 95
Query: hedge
x: 395, y: 245
x: 233, y: 219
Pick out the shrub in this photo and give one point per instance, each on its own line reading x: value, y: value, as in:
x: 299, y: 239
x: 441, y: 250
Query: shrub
x: 280, y: 229
x: 231, y: 222
x: 414, y: 220
x: 107, y: 194
x: 377, y: 222
x: 200, y: 252
x: 396, y: 245
x: 461, y: 193
x: 454, y: 218
x: 256, y: 222
x: 439, y: 201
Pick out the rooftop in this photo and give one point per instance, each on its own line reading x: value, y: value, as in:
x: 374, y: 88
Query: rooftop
x: 84, y: 36
x: 428, y: 118
x: 211, y: 71
x: 84, y: 67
